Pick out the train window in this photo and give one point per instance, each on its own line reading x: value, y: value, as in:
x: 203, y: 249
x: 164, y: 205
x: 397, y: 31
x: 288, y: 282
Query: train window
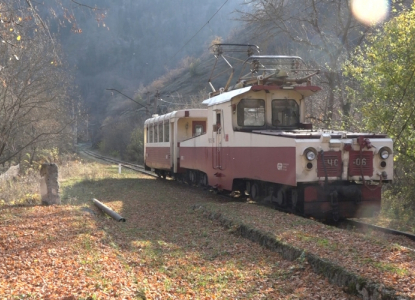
x: 285, y: 113
x: 147, y: 136
x: 251, y: 112
x: 150, y: 133
x: 217, y: 126
x: 160, y: 132
x: 198, y: 127
x: 198, y: 130
x: 166, y: 131
x: 156, y: 136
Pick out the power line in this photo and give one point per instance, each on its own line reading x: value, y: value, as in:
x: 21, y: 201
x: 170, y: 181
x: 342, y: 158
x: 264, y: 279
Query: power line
x: 200, y: 29
x: 127, y: 97
x: 173, y: 102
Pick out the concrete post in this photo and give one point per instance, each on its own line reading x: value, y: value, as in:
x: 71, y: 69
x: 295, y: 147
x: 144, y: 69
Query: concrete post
x: 49, y: 185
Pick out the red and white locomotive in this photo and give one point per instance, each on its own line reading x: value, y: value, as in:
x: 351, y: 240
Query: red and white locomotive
x: 253, y: 138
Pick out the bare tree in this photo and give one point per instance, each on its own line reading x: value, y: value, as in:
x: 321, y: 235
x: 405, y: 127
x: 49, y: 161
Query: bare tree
x: 34, y: 85
x: 324, y: 32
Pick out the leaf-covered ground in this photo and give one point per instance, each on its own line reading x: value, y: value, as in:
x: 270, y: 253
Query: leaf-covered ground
x: 165, y: 250
x: 53, y: 252
x: 381, y: 258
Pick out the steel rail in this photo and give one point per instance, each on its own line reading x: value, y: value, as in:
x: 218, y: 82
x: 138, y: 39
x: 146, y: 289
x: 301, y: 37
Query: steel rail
x: 363, y: 225
x: 134, y: 167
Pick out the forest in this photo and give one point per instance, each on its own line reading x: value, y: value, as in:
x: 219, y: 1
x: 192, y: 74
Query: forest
x: 92, y: 72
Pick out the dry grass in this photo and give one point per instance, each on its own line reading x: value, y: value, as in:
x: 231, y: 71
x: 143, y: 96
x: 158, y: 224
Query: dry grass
x: 24, y: 190
x: 21, y: 191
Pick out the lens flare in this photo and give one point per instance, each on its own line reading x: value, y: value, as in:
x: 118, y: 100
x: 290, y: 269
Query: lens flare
x: 370, y: 12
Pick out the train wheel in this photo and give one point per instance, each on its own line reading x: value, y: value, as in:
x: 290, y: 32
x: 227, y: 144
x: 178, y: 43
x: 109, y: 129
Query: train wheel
x: 163, y: 174
x: 192, y: 176
x: 281, y: 200
x: 294, y: 201
x: 248, y: 188
x: 255, y: 192
x: 203, y: 179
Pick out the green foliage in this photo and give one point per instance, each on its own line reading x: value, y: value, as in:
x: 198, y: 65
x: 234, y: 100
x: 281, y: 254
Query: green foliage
x: 135, y: 149
x: 397, y: 202
x: 115, y: 136
x: 383, y: 71
x: 114, y: 153
x: 101, y: 146
x: 49, y: 155
x: 32, y: 160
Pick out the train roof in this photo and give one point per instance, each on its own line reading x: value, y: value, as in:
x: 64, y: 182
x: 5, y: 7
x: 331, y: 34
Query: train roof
x: 185, y: 113
x: 227, y: 96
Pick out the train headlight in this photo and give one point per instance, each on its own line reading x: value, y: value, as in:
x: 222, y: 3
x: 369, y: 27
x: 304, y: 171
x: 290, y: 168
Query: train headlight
x: 310, y: 154
x: 384, y: 153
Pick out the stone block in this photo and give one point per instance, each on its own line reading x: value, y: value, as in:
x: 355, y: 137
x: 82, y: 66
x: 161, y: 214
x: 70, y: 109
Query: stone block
x: 49, y: 185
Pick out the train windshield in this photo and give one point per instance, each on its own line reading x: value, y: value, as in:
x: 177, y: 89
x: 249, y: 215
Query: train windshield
x: 251, y: 112
x: 285, y: 113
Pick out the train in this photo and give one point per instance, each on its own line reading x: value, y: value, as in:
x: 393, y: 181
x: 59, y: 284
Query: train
x: 252, y: 139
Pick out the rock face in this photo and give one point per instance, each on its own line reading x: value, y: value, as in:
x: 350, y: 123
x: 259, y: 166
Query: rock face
x: 11, y: 173
x: 49, y: 185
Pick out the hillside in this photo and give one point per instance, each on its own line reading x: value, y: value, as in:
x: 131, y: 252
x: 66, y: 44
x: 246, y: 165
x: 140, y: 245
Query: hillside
x: 190, y: 80
x: 136, y: 42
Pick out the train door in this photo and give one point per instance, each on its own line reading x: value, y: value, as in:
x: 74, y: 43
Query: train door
x: 173, y: 147
x: 217, y: 143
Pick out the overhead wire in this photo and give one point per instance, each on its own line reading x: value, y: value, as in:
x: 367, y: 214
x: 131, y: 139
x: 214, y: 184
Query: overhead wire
x: 207, y: 23
x: 115, y: 90
x: 172, y: 102
x: 200, y: 29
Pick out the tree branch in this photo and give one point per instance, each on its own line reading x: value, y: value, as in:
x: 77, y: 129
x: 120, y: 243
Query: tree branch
x: 87, y: 6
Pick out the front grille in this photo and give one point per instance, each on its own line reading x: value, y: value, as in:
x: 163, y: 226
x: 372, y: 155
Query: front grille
x: 361, y: 163
x: 332, y: 166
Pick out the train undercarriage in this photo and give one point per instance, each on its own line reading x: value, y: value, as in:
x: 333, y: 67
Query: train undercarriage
x: 323, y: 201
x: 333, y: 201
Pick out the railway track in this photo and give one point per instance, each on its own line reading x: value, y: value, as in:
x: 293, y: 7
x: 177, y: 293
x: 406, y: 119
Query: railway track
x: 354, y: 224
x: 127, y: 165
x: 347, y: 224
